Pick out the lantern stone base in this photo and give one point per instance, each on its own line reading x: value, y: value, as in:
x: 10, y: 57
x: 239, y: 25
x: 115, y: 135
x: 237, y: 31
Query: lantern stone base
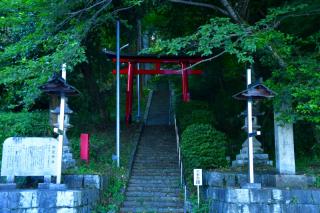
x: 251, y: 186
x: 52, y: 186
x: 67, y: 158
x: 259, y: 158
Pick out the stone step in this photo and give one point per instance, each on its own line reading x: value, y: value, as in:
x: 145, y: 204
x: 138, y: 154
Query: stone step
x: 237, y: 163
x: 153, y: 204
x: 175, y: 169
x: 154, y: 185
x: 155, y: 166
x: 155, y: 181
x: 161, y: 164
x: 166, y: 143
x: 256, y: 150
x: 152, y: 160
x: 154, y: 177
x: 147, y: 164
x: 150, y: 210
x: 158, y: 157
x: 157, y: 173
x: 255, y: 157
x: 160, y: 173
x: 155, y: 152
x: 144, y: 161
x: 159, y: 189
x: 149, y: 197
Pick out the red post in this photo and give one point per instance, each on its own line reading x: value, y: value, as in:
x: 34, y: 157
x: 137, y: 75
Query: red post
x: 84, y: 147
x: 185, y: 86
x: 129, y: 93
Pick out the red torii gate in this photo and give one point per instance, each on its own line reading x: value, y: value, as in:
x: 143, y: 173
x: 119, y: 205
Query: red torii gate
x: 132, y: 70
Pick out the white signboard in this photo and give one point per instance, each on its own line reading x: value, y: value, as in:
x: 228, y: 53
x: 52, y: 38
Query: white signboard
x: 197, y: 177
x: 29, y: 156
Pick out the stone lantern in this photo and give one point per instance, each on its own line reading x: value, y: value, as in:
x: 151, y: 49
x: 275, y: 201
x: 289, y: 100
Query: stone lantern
x: 57, y: 86
x: 254, y: 91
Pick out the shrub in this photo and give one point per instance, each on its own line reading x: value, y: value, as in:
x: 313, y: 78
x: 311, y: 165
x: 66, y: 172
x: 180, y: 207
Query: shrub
x: 184, y: 108
x: 203, y: 147
x: 196, y: 117
x: 194, y: 112
x: 23, y: 124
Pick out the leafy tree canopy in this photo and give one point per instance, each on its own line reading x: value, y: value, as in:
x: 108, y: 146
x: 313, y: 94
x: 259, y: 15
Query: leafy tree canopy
x: 275, y: 40
x: 38, y: 36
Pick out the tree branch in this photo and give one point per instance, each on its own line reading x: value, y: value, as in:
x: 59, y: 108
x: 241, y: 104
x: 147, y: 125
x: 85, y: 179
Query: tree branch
x: 73, y: 14
x: 88, y: 8
x: 100, y: 10
x: 200, y: 4
x: 280, y: 61
x: 242, y: 7
x: 204, y: 60
x: 310, y: 13
x: 232, y: 13
x: 122, y: 9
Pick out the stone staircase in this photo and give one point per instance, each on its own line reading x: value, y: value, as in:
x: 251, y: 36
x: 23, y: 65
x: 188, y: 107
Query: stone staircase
x: 154, y: 185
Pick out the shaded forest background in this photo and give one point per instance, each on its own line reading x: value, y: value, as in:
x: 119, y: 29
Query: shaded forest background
x: 280, y: 40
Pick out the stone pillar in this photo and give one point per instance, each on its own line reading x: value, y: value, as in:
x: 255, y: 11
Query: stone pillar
x: 284, y: 145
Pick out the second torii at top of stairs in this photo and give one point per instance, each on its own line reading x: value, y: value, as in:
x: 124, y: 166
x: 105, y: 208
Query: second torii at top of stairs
x: 184, y: 61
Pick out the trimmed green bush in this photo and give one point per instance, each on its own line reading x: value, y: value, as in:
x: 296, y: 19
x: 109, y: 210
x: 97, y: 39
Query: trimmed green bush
x: 194, y: 112
x: 200, y: 116
x: 203, y: 147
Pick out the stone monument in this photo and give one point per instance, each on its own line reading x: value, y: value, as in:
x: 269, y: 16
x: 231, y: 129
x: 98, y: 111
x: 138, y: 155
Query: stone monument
x: 284, y: 146
x: 29, y: 156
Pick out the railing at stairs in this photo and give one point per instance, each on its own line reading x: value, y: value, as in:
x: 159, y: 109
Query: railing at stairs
x: 183, y: 184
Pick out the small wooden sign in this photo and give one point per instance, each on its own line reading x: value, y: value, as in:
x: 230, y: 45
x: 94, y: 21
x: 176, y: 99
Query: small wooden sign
x: 197, y: 177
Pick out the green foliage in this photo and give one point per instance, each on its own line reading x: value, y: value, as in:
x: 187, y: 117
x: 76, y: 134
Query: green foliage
x: 114, y: 195
x: 196, y: 117
x: 37, y: 37
x: 185, y: 108
x: 203, y: 147
x: 292, y: 58
x: 300, y: 79
x: 193, y: 112
x: 23, y: 124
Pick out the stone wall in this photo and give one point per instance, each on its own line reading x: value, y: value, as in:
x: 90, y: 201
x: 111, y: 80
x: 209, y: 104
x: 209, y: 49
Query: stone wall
x: 48, y: 201
x: 224, y: 179
x: 293, y: 193
x: 265, y: 200
x: 82, y: 194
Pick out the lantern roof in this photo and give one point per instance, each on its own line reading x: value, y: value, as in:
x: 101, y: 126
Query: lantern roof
x: 255, y: 91
x: 56, y: 85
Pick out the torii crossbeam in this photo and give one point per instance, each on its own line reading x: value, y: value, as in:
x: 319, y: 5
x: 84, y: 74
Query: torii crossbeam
x: 157, y: 61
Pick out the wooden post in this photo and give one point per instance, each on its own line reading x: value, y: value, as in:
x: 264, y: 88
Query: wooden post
x: 129, y: 93
x: 185, y: 86
x: 61, y: 128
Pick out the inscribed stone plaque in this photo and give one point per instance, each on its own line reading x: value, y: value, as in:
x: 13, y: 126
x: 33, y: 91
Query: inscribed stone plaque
x: 29, y: 156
